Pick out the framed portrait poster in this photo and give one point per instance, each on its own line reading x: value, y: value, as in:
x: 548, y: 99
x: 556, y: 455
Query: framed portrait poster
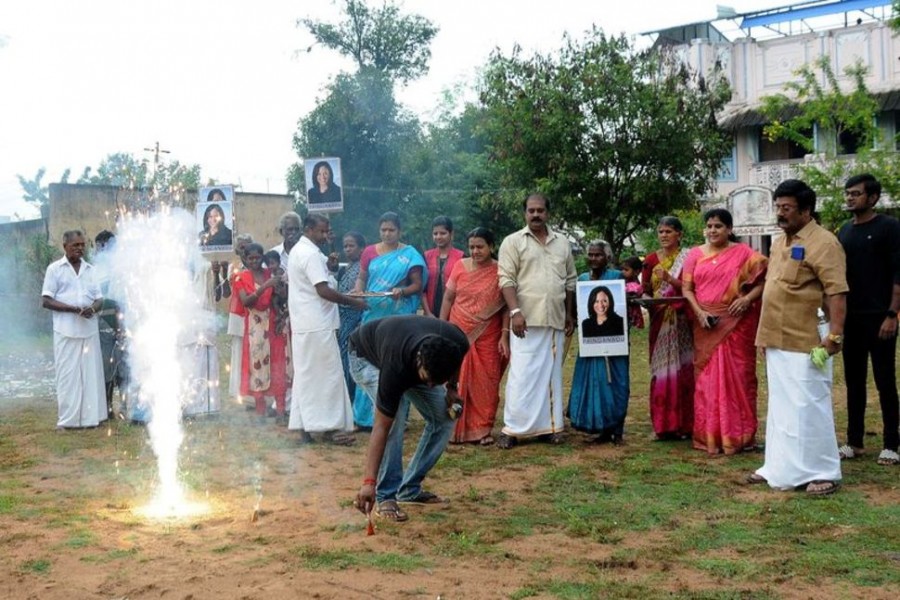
x: 602, y: 318
x: 323, y: 184
x: 215, y: 218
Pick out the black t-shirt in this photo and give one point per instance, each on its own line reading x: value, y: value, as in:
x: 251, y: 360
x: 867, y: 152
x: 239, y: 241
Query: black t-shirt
x: 873, y: 263
x: 391, y: 344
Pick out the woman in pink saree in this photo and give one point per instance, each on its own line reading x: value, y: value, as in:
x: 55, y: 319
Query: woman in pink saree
x: 723, y: 281
x: 474, y: 303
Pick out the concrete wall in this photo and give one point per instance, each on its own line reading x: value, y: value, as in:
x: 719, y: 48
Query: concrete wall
x: 23, y: 257
x: 93, y: 208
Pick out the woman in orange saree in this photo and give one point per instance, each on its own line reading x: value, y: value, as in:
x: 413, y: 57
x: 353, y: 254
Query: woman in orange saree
x: 723, y: 281
x: 474, y: 303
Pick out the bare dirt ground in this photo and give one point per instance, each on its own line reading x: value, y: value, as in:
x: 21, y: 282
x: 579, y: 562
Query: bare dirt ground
x: 69, y: 527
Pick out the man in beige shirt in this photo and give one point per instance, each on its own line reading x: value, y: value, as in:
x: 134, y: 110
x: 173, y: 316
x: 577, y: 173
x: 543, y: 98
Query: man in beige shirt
x: 806, y: 269
x: 537, y: 279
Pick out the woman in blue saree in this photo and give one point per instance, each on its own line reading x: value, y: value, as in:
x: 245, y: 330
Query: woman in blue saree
x: 598, y: 400
x: 392, y: 274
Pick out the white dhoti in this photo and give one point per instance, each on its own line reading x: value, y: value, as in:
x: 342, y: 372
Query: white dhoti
x: 801, y: 445
x: 534, y: 398
x: 80, y: 389
x: 319, y: 401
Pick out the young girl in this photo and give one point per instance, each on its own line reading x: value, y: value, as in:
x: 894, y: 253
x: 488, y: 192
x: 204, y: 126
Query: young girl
x: 439, y: 262
x: 631, y: 268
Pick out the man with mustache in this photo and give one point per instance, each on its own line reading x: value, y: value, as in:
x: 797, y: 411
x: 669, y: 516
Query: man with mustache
x: 872, y: 244
x: 806, y: 265
x: 537, y: 279
x: 72, y: 293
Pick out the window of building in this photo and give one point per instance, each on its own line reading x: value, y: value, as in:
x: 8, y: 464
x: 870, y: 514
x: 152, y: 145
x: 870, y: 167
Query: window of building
x: 780, y: 149
x: 848, y: 142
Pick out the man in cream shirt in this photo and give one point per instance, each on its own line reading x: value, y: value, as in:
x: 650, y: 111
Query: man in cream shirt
x: 537, y: 279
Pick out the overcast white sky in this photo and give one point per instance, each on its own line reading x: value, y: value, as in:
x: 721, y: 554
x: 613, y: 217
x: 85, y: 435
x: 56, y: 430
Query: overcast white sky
x: 221, y: 82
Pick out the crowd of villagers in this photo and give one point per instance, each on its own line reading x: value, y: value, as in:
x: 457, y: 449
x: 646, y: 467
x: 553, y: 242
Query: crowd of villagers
x: 703, y: 377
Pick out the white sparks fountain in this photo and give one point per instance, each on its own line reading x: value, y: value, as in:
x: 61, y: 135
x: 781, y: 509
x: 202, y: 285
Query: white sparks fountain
x: 158, y: 276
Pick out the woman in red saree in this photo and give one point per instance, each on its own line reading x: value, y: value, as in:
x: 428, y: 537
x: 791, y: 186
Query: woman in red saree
x: 723, y: 281
x: 474, y: 303
x: 263, y: 359
x: 671, y: 347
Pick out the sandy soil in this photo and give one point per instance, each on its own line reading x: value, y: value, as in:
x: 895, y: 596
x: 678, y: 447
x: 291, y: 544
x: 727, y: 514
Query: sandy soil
x: 78, y: 535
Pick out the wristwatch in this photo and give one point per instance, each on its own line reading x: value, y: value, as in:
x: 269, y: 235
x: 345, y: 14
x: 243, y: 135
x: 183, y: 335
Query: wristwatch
x: 836, y: 338
x: 892, y: 313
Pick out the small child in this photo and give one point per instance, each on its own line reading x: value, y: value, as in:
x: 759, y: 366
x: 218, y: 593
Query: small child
x: 631, y: 268
x: 279, y: 292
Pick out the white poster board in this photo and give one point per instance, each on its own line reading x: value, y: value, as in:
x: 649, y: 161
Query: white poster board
x: 323, y: 184
x: 602, y: 318
x: 215, y: 218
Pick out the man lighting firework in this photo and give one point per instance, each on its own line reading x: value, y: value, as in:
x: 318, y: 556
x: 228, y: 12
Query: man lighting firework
x: 400, y: 361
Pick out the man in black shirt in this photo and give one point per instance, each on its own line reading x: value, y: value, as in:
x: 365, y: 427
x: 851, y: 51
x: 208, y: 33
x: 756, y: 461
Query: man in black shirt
x: 400, y: 361
x: 872, y: 244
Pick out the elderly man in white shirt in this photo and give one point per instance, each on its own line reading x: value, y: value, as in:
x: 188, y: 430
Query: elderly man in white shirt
x: 72, y: 293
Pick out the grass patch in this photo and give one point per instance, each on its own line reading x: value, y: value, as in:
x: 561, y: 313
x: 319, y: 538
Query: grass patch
x: 644, y: 520
x: 585, y: 590
x: 9, y: 503
x: 339, y: 560
x: 117, y: 554
x: 464, y: 543
x: 40, y: 566
x: 80, y: 539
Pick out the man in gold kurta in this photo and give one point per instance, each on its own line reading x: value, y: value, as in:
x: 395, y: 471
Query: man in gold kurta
x: 537, y: 279
x: 807, y: 270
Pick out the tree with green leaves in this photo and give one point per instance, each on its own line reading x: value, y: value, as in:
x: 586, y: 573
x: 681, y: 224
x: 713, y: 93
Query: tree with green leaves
x: 455, y: 176
x: 123, y: 170
x: 360, y: 120
x: 395, y: 44
x: 615, y: 136
x: 821, y: 116
x: 34, y: 190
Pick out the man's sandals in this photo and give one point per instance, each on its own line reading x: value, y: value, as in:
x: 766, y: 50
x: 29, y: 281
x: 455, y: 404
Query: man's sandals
x: 391, y: 511
x: 821, y: 487
x: 888, y: 458
x: 506, y: 442
x: 818, y: 487
x: 339, y: 438
x: 848, y: 452
x: 425, y: 498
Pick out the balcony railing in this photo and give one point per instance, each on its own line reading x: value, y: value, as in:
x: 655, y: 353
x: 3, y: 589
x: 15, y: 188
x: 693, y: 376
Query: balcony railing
x: 770, y: 174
